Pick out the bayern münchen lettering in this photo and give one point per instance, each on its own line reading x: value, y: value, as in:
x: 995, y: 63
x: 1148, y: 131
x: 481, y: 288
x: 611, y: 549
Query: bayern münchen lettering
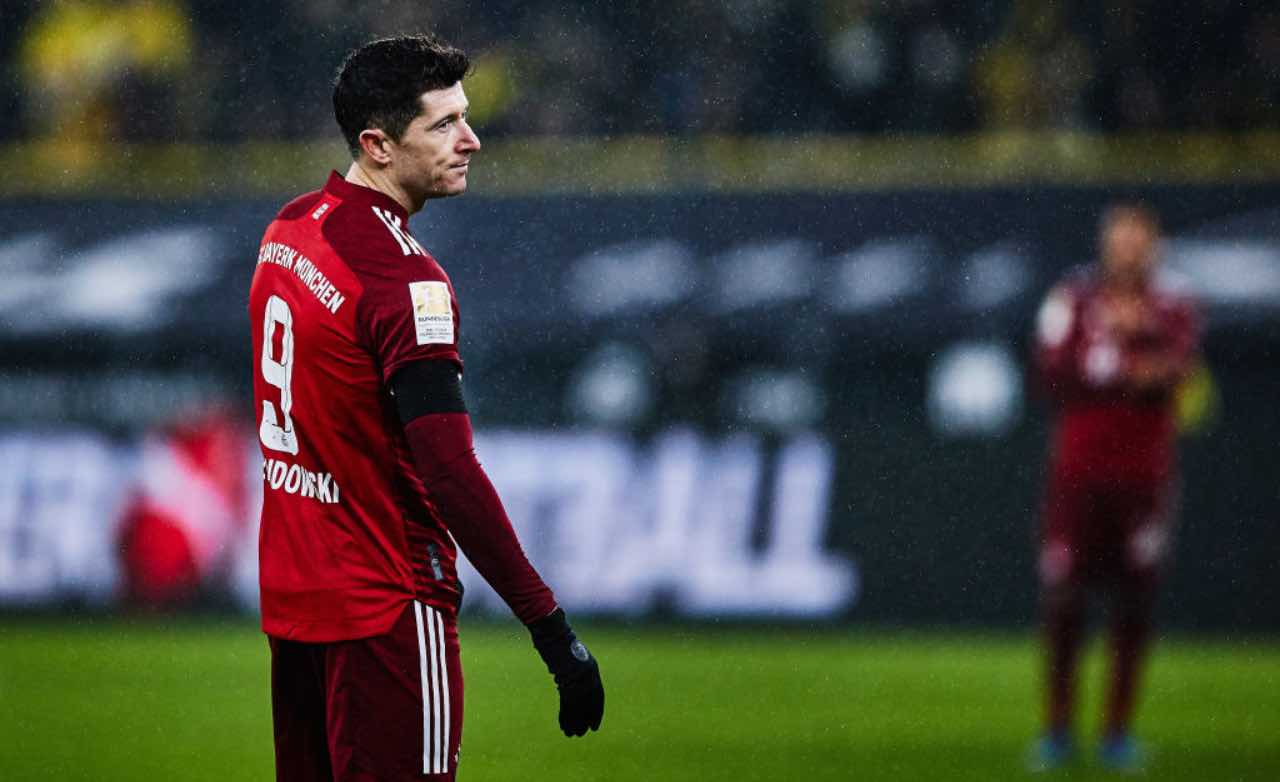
x: 306, y: 271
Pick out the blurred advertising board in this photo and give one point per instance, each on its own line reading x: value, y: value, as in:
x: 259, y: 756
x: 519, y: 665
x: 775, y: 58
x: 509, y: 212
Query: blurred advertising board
x: 750, y: 405
x: 619, y: 527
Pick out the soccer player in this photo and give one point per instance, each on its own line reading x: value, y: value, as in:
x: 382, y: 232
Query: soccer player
x: 1113, y: 344
x: 370, y: 476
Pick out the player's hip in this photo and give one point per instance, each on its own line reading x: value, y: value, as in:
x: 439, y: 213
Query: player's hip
x: 321, y: 614
x: 388, y: 706
x: 1112, y: 532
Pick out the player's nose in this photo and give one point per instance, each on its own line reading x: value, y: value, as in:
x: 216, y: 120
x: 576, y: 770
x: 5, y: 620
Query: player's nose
x: 469, y: 142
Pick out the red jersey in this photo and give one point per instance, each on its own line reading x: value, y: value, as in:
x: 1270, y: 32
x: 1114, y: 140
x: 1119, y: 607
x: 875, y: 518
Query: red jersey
x: 1104, y: 427
x: 343, y: 297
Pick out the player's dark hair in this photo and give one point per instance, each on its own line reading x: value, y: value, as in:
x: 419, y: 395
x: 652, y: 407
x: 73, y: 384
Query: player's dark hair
x: 378, y: 84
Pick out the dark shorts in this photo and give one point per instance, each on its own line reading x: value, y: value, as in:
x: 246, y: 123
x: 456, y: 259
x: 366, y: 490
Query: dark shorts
x: 1109, y: 533
x: 381, y: 708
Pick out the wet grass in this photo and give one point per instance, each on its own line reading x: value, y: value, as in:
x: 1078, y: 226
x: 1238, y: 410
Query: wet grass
x: 150, y: 700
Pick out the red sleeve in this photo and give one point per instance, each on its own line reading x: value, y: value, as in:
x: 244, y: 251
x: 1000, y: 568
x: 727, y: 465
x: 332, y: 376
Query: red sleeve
x: 407, y: 312
x: 1175, y: 346
x: 443, y: 452
x: 1071, y: 363
x: 1185, y: 329
x: 1058, y: 345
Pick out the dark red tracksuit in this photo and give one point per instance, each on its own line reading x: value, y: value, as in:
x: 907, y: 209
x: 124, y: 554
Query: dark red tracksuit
x: 1112, y: 466
x: 1109, y: 502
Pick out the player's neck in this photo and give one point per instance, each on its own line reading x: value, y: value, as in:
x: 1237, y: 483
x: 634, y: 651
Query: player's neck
x: 376, y: 180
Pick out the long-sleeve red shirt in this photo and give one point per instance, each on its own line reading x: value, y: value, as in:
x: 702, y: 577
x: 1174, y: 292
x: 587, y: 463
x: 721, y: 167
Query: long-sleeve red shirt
x: 1104, y: 426
x: 342, y: 298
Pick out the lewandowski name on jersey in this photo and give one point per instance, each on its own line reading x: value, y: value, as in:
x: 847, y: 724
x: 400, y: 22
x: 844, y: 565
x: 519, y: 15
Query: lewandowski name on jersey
x: 296, y: 479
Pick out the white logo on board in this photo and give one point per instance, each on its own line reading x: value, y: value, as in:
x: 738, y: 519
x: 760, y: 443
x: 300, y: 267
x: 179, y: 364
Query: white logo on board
x: 625, y: 527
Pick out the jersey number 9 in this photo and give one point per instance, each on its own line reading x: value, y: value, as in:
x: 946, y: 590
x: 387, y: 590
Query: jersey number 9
x: 278, y: 372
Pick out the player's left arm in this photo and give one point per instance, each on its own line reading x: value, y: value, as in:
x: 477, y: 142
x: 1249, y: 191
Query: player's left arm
x: 438, y: 428
x: 1166, y: 368
x: 429, y: 398
x: 407, y: 318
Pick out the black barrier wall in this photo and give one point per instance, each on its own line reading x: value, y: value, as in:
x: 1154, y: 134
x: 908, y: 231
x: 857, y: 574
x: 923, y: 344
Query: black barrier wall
x: 877, y: 341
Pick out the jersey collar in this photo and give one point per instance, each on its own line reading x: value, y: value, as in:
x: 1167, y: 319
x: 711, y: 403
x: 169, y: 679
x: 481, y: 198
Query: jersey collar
x: 340, y: 188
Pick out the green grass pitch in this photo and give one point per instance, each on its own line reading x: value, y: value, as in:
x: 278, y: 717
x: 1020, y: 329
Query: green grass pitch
x: 152, y: 700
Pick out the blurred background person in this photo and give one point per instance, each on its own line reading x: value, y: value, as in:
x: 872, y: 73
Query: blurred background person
x: 1113, y: 344
x: 186, y: 511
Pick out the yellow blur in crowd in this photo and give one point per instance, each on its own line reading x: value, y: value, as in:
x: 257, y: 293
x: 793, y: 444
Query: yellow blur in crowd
x: 1197, y: 402
x: 77, y: 55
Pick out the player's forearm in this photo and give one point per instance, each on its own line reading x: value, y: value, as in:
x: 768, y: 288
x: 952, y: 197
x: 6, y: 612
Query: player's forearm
x: 442, y: 449
x: 1158, y: 372
x: 1183, y: 354
x: 441, y: 444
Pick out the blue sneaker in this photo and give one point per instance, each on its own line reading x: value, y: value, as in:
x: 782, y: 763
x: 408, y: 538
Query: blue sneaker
x: 1122, y: 753
x: 1051, y: 751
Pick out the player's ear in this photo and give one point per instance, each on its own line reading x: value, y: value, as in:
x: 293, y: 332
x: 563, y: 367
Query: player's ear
x: 375, y: 144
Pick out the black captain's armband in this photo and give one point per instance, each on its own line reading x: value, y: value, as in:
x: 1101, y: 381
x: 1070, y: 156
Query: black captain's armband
x: 426, y: 387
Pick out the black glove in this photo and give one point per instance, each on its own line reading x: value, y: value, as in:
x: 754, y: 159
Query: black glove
x: 576, y: 673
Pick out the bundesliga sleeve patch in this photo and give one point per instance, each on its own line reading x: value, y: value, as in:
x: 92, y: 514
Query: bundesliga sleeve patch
x: 432, y: 312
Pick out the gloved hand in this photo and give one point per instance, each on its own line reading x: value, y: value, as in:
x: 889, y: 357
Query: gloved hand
x: 576, y: 673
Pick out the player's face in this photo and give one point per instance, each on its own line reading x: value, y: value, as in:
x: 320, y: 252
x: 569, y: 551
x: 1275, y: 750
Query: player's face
x: 431, y: 159
x: 1129, y: 250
